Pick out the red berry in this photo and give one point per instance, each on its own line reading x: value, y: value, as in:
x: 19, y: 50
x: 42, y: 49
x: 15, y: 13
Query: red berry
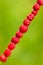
x: 7, y: 52
x: 30, y: 17
x: 40, y: 2
x: 15, y: 40
x: 3, y: 58
x: 34, y: 12
x: 11, y: 46
x: 19, y: 34
x: 26, y: 22
x: 23, y: 28
x: 36, y: 7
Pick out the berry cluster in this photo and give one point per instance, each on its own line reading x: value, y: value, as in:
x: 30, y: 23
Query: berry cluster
x: 22, y: 29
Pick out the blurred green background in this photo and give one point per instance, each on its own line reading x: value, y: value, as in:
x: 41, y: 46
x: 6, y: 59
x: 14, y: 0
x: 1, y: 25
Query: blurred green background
x: 29, y: 51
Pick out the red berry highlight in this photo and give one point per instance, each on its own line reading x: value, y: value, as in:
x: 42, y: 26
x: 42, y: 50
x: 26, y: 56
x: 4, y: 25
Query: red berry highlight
x: 40, y: 2
x: 3, y: 58
x: 11, y: 46
x: 36, y: 7
x: 7, y: 52
x: 34, y: 12
x: 23, y: 28
x: 26, y: 22
x: 30, y: 17
x: 19, y: 34
x: 15, y: 40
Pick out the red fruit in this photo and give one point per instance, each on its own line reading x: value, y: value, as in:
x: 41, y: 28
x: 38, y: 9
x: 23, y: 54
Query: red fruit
x: 11, y: 46
x: 7, y: 52
x: 26, y: 22
x: 23, y: 28
x: 3, y: 58
x: 30, y: 17
x: 19, y: 34
x: 15, y: 40
x: 34, y: 12
x: 36, y: 7
x: 40, y: 2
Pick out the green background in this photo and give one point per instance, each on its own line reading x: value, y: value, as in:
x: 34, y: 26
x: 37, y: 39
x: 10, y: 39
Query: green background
x: 29, y: 51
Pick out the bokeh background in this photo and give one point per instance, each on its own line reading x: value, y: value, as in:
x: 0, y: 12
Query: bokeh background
x: 29, y: 51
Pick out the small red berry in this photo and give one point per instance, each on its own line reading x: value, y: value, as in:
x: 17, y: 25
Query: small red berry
x: 36, y: 7
x: 19, y: 34
x: 15, y: 40
x: 34, y: 12
x: 23, y: 28
x: 40, y: 2
x: 7, y: 52
x: 11, y: 46
x: 3, y: 58
x: 26, y: 22
x: 30, y: 17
